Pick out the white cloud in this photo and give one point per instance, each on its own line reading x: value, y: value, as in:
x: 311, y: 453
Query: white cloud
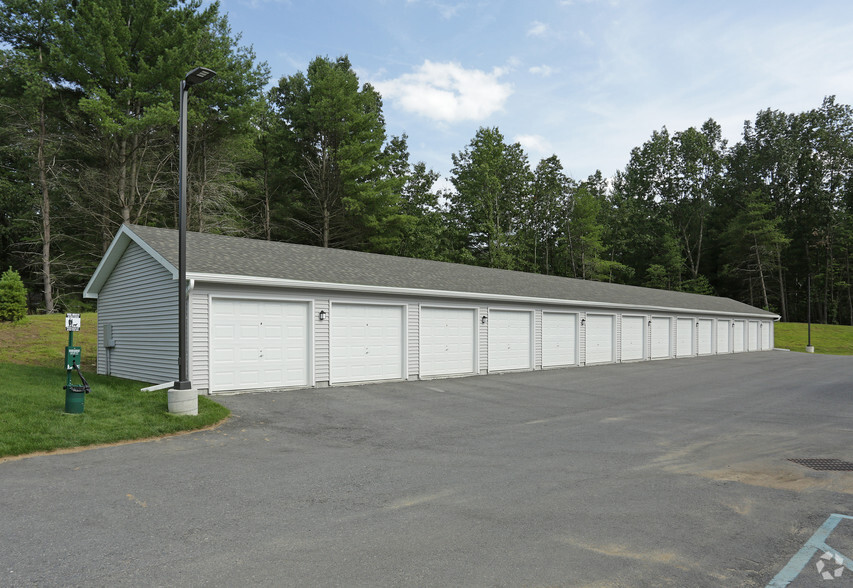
x: 541, y: 70
x: 448, y: 92
x: 447, y: 11
x: 537, y: 29
x: 534, y: 143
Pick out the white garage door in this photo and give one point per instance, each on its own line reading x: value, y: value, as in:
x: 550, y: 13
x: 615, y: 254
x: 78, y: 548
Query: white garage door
x: 510, y: 340
x: 723, y: 333
x: 706, y: 336
x: 752, y: 339
x: 766, y: 329
x: 661, y: 333
x: 559, y: 339
x: 738, y: 333
x: 599, y: 338
x: 683, y: 337
x: 258, y: 344
x: 447, y: 344
x: 633, y: 334
x: 366, y: 342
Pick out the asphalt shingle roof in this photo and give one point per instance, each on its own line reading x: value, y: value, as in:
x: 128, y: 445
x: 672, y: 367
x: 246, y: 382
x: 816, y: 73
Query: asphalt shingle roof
x: 235, y: 256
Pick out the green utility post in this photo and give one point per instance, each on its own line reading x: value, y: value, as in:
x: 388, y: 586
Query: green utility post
x: 74, y: 395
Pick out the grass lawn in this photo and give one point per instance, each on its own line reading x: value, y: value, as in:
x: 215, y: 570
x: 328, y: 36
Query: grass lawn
x: 829, y: 339
x: 32, y: 398
x: 32, y: 417
x: 41, y: 340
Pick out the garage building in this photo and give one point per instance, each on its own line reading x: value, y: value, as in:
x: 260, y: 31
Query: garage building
x: 266, y: 315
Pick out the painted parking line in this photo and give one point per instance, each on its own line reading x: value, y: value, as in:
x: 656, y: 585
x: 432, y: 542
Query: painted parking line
x: 816, y: 543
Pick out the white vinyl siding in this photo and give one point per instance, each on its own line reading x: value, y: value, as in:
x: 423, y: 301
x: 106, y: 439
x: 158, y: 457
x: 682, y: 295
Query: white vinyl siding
x: 483, y: 334
x: 705, y: 335
x: 321, y: 341
x: 633, y: 337
x: 447, y: 341
x: 510, y: 339
x: 366, y: 342
x: 600, y: 346
x: 413, y: 326
x: 259, y: 344
x: 199, y: 342
x: 140, y: 301
x: 559, y: 339
x: 537, y: 339
x: 724, y: 334
x: 661, y: 337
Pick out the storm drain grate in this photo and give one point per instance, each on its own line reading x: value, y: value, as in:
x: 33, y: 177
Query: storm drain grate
x: 825, y: 464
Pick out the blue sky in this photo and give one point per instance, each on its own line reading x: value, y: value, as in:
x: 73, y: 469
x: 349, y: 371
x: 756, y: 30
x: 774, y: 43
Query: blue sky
x: 587, y: 80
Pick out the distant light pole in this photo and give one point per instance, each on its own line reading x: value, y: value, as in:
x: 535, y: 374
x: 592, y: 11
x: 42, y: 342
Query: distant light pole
x: 809, y: 347
x: 194, y: 77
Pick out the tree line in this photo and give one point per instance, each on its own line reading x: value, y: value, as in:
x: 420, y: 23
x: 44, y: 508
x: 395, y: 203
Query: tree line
x: 88, y: 141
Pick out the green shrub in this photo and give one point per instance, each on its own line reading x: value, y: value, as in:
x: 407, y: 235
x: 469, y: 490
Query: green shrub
x: 13, y: 297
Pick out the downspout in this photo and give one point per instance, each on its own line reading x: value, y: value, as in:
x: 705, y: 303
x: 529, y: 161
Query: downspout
x: 189, y: 317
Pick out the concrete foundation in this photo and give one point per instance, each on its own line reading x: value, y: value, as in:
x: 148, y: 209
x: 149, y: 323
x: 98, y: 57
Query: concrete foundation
x: 183, y: 402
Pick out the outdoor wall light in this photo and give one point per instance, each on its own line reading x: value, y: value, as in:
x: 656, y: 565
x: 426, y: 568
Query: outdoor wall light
x: 583, y: 321
x: 484, y: 319
x: 650, y: 323
x: 322, y: 315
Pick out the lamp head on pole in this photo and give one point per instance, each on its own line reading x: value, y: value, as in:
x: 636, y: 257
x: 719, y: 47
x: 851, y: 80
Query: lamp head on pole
x: 199, y: 75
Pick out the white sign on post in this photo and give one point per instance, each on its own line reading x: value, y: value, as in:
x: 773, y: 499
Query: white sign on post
x: 72, y: 322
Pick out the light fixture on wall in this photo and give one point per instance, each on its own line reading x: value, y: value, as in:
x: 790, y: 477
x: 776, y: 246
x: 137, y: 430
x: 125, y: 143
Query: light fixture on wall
x: 484, y: 319
x: 322, y: 315
x: 650, y: 323
x: 583, y: 321
x: 697, y: 323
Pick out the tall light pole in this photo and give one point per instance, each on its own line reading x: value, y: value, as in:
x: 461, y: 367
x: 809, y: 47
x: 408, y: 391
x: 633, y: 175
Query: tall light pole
x: 809, y: 346
x: 196, y: 76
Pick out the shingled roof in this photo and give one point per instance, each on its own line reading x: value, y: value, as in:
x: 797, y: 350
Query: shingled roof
x: 235, y: 257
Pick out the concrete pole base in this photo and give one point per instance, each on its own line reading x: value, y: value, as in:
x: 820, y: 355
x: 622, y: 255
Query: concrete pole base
x: 809, y: 348
x: 183, y: 402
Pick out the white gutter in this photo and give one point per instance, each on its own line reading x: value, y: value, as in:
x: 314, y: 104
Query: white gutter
x: 360, y: 288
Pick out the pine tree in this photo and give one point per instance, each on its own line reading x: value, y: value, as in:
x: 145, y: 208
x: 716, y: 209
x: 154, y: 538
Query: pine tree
x: 13, y: 296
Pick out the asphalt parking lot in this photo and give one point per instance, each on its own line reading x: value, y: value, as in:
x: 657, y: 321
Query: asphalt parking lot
x: 670, y: 473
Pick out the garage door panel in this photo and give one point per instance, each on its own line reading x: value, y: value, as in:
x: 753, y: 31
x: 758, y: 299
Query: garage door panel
x: 259, y: 344
x: 752, y: 336
x: 599, y: 338
x: 738, y: 336
x: 447, y: 340
x: 723, y: 333
x: 510, y: 342
x: 705, y: 335
x: 661, y: 337
x: 684, y: 337
x: 633, y: 336
x: 559, y: 339
x: 366, y: 342
x: 766, y: 326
